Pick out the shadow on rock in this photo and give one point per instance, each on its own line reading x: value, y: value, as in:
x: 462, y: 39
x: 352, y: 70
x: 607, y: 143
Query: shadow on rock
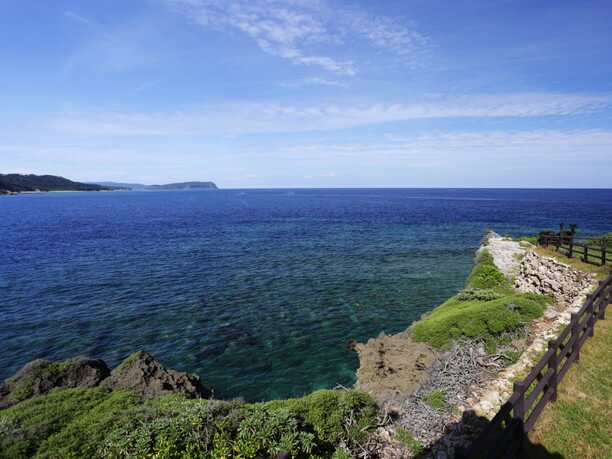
x: 459, y: 435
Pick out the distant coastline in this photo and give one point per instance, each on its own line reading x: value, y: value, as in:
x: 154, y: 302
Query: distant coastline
x: 11, y: 184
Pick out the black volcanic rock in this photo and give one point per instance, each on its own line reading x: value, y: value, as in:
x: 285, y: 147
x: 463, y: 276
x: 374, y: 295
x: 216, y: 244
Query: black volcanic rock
x: 143, y: 374
x: 41, y: 376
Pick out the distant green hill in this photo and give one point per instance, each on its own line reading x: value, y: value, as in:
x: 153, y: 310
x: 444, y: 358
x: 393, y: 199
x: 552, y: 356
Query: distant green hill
x: 18, y: 183
x: 184, y: 186
x: 120, y: 185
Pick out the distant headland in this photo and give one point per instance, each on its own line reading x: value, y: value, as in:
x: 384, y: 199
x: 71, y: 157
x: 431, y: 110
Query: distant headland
x: 169, y: 186
x: 18, y: 183
x: 30, y: 183
x: 184, y: 186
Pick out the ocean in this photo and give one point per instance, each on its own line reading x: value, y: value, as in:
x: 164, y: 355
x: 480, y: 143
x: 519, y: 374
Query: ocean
x: 257, y: 291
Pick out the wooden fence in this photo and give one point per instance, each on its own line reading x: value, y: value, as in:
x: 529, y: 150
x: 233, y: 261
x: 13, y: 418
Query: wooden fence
x: 583, y: 248
x: 505, y: 434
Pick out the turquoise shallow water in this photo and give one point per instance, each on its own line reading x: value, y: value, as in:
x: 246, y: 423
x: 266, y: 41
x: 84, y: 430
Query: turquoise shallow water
x: 257, y: 291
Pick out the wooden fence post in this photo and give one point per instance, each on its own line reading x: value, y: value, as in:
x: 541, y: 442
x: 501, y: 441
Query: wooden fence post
x: 591, y: 314
x: 576, y: 333
x: 571, y: 250
x: 586, y: 254
x: 519, y: 413
x: 604, y: 245
x: 552, y: 363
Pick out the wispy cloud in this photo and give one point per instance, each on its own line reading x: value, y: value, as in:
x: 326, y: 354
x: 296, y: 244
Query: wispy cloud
x: 321, y: 175
x: 315, y: 81
x: 289, y: 29
x: 80, y: 19
x: 250, y: 117
x: 434, y: 158
x: 115, y: 48
x: 538, y: 148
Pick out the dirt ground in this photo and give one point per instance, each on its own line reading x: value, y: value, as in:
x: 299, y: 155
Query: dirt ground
x: 393, y: 364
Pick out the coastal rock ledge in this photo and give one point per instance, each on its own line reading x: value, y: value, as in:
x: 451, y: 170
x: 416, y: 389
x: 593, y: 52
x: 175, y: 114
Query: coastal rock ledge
x: 140, y: 373
x: 143, y: 374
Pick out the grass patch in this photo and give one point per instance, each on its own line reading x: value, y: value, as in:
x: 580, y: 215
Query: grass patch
x: 127, y: 360
x: 403, y: 436
x: 578, y: 424
x: 485, y: 275
x: 436, y: 400
x: 100, y: 423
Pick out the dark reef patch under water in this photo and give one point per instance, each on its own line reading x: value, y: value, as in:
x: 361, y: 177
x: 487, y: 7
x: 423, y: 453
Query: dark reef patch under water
x: 257, y: 291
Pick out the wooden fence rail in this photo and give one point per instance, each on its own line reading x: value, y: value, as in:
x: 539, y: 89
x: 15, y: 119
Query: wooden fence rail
x: 505, y: 433
x: 583, y: 248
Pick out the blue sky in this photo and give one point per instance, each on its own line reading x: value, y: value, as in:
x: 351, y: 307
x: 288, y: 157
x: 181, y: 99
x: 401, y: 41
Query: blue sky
x: 296, y: 93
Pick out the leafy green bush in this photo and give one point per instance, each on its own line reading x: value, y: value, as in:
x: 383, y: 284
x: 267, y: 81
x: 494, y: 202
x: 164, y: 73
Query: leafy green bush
x: 211, y: 429
x: 485, y: 275
x: 27, y: 424
x: 99, y: 423
x: 83, y: 435
x: 544, y: 234
x: 336, y: 416
x: 342, y: 453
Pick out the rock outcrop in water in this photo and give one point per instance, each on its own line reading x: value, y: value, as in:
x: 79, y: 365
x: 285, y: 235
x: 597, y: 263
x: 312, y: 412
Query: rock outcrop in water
x: 140, y: 373
x: 41, y: 376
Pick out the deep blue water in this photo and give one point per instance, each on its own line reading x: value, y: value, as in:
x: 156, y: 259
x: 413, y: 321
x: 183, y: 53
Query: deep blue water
x: 257, y: 291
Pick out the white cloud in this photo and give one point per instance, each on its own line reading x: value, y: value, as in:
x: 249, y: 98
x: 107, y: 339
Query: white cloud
x: 287, y: 28
x: 433, y: 158
x: 80, y: 19
x: 499, y: 148
x: 315, y: 81
x: 251, y: 117
x: 321, y: 175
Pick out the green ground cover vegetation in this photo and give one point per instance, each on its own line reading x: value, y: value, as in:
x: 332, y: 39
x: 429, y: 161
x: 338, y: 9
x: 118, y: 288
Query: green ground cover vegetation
x: 487, y: 309
x: 100, y: 423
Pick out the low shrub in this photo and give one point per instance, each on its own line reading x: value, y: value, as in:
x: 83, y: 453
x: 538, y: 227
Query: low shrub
x: 486, y: 276
x: 338, y: 417
x: 486, y: 320
x: 99, y: 423
x: 29, y: 423
x: 473, y: 294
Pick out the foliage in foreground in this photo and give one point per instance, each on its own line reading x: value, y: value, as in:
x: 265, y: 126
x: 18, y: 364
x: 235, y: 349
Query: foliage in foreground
x: 99, y: 423
x: 486, y: 310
